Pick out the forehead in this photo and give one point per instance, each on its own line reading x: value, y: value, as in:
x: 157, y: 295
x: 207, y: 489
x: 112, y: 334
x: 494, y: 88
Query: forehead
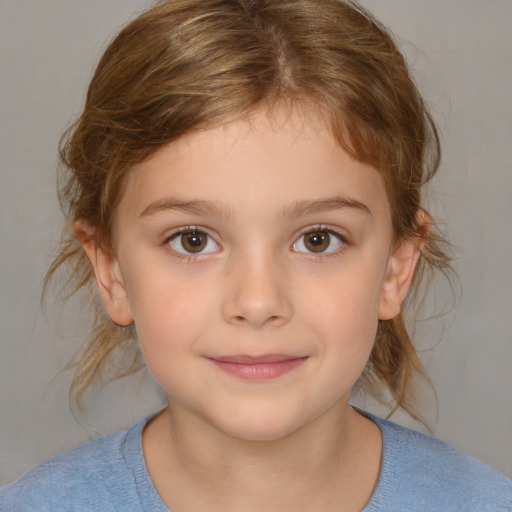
x: 261, y: 164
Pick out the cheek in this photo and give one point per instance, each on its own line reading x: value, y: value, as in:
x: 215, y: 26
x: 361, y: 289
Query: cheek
x: 168, y: 316
x: 169, y: 328
x: 344, y: 313
x: 349, y: 296
x: 349, y: 333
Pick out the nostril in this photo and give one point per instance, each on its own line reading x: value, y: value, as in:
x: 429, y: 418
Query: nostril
x: 241, y: 319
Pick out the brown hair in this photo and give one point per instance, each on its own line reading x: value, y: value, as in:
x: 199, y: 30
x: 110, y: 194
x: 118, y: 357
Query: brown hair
x: 186, y: 65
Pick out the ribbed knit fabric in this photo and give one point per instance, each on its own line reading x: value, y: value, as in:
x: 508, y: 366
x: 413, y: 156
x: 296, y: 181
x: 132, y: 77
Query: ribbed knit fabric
x: 418, y: 474
x: 422, y: 474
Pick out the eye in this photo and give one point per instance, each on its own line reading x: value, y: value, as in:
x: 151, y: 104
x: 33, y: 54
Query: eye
x: 192, y: 241
x: 319, y: 240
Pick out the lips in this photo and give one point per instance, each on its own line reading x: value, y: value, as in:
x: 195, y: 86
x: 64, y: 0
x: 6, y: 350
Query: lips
x: 260, y: 368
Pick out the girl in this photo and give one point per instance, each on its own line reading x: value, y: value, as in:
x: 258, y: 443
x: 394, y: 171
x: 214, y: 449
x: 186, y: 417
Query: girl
x: 244, y: 187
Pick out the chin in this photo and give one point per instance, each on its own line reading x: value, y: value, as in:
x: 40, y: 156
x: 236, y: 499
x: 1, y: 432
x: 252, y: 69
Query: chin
x: 265, y: 426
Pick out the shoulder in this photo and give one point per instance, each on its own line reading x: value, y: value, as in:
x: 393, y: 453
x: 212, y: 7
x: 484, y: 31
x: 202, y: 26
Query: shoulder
x: 94, y: 476
x: 427, y: 474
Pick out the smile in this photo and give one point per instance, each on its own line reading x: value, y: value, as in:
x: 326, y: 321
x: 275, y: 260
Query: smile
x: 257, y: 368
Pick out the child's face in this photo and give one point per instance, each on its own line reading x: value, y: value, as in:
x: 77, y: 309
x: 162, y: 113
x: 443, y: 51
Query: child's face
x: 255, y: 259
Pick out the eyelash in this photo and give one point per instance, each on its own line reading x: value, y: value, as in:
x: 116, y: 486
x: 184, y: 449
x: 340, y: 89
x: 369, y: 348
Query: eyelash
x: 184, y: 256
x: 319, y: 256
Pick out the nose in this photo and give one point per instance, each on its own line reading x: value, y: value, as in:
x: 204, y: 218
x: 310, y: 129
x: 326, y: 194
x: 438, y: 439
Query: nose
x: 257, y: 293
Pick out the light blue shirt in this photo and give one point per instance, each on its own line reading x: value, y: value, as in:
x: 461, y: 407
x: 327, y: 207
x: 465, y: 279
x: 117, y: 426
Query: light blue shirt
x: 418, y: 474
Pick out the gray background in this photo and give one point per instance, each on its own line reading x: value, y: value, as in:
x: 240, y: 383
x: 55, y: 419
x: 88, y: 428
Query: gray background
x: 461, y: 53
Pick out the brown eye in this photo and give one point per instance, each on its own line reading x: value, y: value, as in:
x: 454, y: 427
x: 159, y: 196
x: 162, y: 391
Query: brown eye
x: 319, y: 241
x: 192, y: 242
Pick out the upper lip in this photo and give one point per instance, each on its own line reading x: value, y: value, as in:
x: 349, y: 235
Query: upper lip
x: 247, y: 359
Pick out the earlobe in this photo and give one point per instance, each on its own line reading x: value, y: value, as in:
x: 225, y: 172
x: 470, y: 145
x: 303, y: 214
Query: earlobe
x: 108, y: 274
x: 401, y: 268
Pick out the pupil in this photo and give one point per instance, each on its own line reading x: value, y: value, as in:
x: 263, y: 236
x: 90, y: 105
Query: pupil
x: 317, y: 239
x: 194, y: 240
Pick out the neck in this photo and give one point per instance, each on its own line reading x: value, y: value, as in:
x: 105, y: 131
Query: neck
x: 335, y: 457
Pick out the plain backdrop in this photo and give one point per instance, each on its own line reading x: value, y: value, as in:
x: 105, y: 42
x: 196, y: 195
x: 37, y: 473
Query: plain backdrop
x: 461, y: 54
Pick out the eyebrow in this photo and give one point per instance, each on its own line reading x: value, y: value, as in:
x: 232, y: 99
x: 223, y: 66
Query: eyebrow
x: 209, y: 209
x: 322, y: 205
x: 193, y: 206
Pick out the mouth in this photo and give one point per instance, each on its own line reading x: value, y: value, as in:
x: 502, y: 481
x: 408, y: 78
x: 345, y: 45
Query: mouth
x: 259, y: 368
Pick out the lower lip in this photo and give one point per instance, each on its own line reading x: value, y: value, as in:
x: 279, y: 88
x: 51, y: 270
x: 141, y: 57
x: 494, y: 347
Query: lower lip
x: 259, y: 371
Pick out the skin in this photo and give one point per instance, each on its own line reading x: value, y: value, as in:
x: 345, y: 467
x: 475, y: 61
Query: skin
x: 252, y: 188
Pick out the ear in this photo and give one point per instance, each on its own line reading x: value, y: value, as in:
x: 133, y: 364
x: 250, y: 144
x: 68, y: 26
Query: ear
x: 402, y: 265
x: 108, y: 274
